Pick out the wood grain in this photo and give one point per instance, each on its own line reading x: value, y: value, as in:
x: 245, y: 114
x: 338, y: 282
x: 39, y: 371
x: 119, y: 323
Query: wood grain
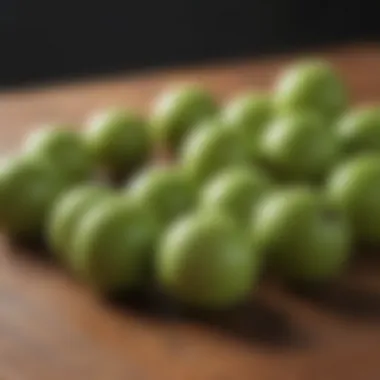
x: 54, y: 328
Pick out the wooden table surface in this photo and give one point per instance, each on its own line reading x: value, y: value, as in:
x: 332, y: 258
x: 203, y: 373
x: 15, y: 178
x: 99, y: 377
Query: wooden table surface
x: 52, y: 328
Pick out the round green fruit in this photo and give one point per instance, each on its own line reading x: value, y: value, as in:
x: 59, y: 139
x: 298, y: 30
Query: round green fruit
x: 66, y: 214
x: 359, y: 130
x: 209, y: 150
x: 63, y: 148
x: 166, y: 190
x: 204, y: 262
x: 303, y: 237
x: 311, y: 86
x: 299, y: 147
x: 119, y: 140
x: 113, y: 245
x: 236, y: 191
x: 249, y: 114
x: 28, y: 188
x: 177, y: 111
x: 354, y: 186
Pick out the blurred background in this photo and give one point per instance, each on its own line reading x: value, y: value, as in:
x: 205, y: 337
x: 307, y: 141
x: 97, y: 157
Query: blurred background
x: 44, y: 40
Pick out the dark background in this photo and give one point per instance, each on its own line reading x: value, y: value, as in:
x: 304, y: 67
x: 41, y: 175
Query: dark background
x: 48, y: 40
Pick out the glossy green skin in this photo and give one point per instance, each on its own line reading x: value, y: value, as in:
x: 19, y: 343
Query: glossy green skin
x: 166, y: 190
x: 299, y: 147
x: 63, y: 148
x: 28, y: 188
x: 311, y: 86
x: 114, y: 245
x: 354, y: 186
x: 359, y: 130
x: 236, y: 191
x: 209, y: 150
x: 66, y: 214
x: 249, y: 113
x: 119, y: 140
x: 204, y: 262
x: 177, y: 111
x: 304, y: 238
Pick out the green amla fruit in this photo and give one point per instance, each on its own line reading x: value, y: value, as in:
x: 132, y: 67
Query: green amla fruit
x: 114, y: 245
x: 359, y: 130
x: 67, y: 213
x: 166, y: 190
x: 249, y: 113
x: 204, y: 261
x: 236, y: 191
x: 206, y: 151
x: 354, y: 187
x: 303, y: 237
x: 299, y: 147
x: 63, y: 148
x: 28, y: 189
x: 177, y: 111
x: 311, y: 86
x: 119, y: 140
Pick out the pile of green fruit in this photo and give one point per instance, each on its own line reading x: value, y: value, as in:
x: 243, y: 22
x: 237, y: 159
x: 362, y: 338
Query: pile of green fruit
x: 287, y: 182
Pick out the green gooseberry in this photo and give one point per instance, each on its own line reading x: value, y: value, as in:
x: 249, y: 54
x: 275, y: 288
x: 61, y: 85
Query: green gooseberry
x: 63, y: 148
x: 236, y: 191
x: 66, y: 214
x: 204, y: 262
x: 354, y: 187
x: 249, y: 113
x: 359, y: 130
x: 209, y: 150
x: 119, y: 140
x: 167, y: 190
x: 302, y: 236
x: 28, y: 188
x: 298, y: 147
x: 113, y: 245
x: 177, y: 111
x: 311, y: 86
